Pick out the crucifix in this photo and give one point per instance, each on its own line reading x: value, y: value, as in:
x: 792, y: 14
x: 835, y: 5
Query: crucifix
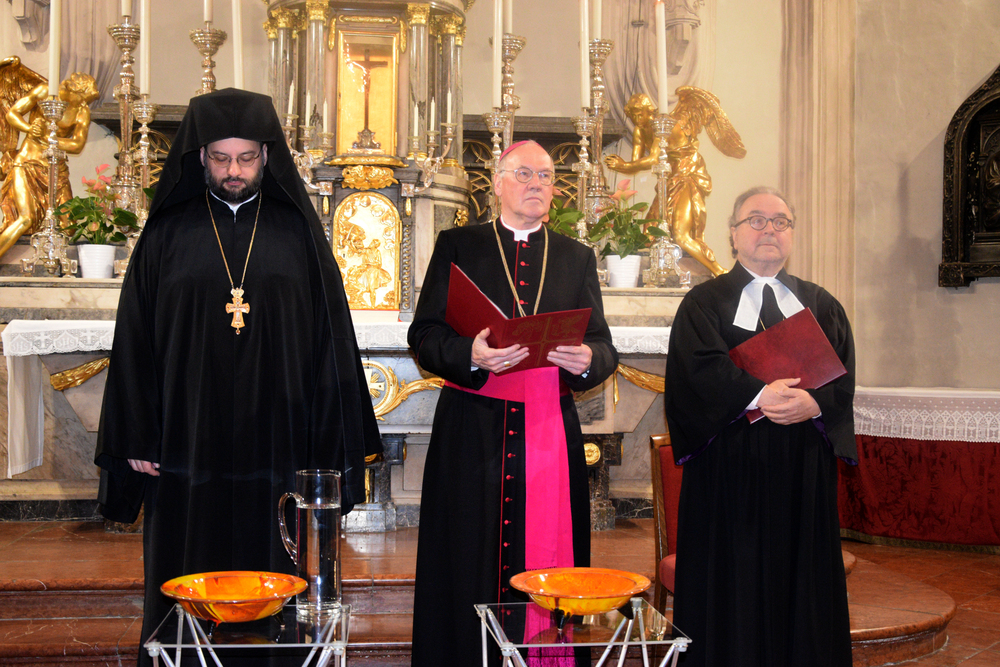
x: 366, y: 138
x: 237, y: 308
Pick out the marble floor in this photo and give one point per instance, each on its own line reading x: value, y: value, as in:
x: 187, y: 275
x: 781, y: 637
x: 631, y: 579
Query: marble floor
x: 52, y: 555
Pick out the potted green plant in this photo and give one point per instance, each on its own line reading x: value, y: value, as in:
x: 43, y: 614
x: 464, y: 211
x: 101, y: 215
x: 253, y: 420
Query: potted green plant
x: 622, y: 229
x: 94, y: 223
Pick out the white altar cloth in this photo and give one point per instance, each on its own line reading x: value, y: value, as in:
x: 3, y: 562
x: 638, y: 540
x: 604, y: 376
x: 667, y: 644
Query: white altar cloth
x: 25, y: 340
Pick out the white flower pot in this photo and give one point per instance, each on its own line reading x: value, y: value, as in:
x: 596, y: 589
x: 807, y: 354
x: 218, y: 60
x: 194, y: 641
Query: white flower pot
x: 96, y: 261
x: 623, y: 271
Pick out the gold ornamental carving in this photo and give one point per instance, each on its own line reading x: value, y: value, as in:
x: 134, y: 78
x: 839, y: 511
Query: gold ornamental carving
x: 318, y: 10
x: 447, y: 24
x: 460, y: 36
x: 387, y: 392
x: 285, y: 18
x: 271, y: 28
x: 367, y: 233
x: 74, y: 377
x: 461, y: 217
x: 369, y: 20
x: 417, y: 14
x: 591, y: 453
x: 368, y: 177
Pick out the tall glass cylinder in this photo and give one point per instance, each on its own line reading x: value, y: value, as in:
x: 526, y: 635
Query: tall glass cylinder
x: 449, y: 81
x: 318, y: 12
x: 416, y: 16
x: 284, y: 63
x: 457, y: 100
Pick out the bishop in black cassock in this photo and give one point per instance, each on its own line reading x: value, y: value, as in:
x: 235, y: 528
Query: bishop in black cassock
x: 479, y: 483
x: 226, y: 415
x: 760, y: 576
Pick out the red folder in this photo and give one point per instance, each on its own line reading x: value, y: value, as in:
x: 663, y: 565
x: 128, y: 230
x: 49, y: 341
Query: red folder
x: 794, y: 348
x: 470, y: 311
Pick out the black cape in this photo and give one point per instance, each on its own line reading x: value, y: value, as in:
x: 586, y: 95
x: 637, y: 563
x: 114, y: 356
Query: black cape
x: 760, y: 575
x: 466, y: 554
x: 228, y: 418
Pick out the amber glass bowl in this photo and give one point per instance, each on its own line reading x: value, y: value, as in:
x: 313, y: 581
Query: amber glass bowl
x: 233, y: 597
x: 579, y: 591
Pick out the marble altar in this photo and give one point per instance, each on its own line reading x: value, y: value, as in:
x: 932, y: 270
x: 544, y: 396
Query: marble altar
x: 64, y: 422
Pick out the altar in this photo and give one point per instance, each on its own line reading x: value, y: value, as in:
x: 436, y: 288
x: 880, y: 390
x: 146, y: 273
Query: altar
x: 55, y: 382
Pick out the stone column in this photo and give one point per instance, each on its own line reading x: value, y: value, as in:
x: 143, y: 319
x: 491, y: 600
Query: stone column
x: 416, y: 18
x: 817, y: 141
x: 284, y: 56
x: 317, y: 13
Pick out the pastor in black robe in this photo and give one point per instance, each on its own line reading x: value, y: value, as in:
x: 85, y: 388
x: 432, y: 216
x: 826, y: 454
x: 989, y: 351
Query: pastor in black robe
x: 474, y: 469
x: 228, y: 417
x: 760, y: 575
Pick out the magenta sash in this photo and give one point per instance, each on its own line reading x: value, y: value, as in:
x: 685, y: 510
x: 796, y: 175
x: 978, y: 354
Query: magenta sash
x: 548, y: 522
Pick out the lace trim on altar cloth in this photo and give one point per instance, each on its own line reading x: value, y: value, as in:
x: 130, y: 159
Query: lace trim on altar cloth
x: 23, y: 338
x: 928, y: 414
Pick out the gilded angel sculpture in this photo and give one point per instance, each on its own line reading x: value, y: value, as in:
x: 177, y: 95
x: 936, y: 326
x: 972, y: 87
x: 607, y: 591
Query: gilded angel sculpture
x: 24, y: 171
x: 690, y: 183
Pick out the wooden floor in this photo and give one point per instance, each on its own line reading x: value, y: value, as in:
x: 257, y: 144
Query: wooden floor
x: 43, y: 565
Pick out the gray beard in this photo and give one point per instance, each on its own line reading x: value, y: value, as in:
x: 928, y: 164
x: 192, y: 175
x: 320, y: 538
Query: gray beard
x: 249, y: 189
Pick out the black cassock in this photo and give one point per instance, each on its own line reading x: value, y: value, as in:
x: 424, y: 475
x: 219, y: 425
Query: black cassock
x: 471, y: 536
x: 760, y: 575
x: 228, y: 417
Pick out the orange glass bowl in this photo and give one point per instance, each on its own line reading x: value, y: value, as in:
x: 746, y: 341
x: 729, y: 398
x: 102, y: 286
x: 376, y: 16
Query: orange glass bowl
x: 233, y: 597
x: 580, y: 591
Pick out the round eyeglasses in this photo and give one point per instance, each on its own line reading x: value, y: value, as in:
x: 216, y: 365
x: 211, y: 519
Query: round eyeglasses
x: 244, y: 159
x: 524, y: 174
x: 759, y: 222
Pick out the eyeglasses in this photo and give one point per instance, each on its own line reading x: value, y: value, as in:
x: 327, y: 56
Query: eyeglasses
x: 524, y: 174
x: 244, y: 160
x: 759, y: 222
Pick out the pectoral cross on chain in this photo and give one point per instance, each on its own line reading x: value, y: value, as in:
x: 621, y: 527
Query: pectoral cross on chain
x: 237, y: 308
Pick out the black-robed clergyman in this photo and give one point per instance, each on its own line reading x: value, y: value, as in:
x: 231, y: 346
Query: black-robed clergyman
x: 235, y: 361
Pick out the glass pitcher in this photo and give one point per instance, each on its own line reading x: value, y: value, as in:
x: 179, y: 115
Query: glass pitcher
x: 316, y: 548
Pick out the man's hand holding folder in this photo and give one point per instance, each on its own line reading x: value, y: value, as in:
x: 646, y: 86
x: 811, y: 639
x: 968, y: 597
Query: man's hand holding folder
x: 471, y: 313
x: 794, y: 349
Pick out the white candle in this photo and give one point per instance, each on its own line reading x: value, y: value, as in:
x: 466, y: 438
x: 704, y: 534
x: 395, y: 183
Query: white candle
x: 414, y: 131
x: 55, y: 37
x: 126, y: 7
x: 208, y: 11
x: 584, y: 54
x: 144, y: 39
x: 307, y: 115
x: 291, y: 98
x: 430, y: 117
x: 237, y: 44
x: 497, y: 52
x: 508, y: 16
x: 597, y: 19
x: 662, y: 91
x: 448, y: 111
x: 326, y: 116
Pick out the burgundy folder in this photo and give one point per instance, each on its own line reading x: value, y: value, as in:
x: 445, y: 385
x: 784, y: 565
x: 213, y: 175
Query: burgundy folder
x: 794, y: 348
x: 470, y: 311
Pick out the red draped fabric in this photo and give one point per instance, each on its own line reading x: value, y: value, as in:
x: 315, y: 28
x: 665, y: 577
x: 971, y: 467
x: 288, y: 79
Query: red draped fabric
x: 924, y: 490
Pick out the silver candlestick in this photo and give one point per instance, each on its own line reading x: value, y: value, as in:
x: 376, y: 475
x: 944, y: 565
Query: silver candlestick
x: 431, y: 164
x: 598, y: 196
x: 512, y: 45
x: 126, y: 187
x: 664, y: 253
x: 207, y: 40
x: 584, y: 168
x: 496, y: 121
x: 49, y: 245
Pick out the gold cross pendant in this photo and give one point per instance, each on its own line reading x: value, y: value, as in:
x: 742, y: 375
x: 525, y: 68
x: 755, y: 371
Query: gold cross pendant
x: 237, y: 308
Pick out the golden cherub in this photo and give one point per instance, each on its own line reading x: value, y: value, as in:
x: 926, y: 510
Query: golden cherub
x: 689, y: 181
x: 24, y: 171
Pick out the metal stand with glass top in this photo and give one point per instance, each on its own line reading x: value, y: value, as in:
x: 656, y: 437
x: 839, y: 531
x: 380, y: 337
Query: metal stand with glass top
x: 181, y: 634
x: 635, y: 625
